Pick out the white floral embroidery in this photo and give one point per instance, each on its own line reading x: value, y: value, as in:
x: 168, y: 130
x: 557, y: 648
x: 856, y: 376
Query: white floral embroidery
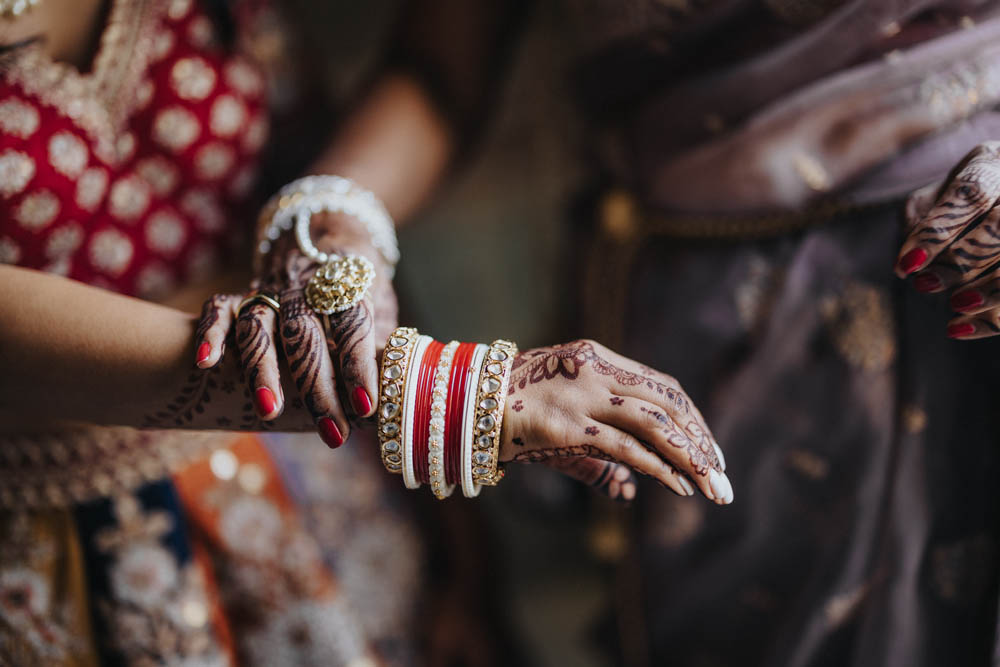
x: 125, y: 147
x: 163, y: 42
x: 214, y: 160
x: 251, y: 526
x: 110, y: 251
x: 129, y: 198
x: 199, y: 32
x: 192, y: 78
x: 26, y: 606
x: 60, y: 267
x: 175, y: 128
x: 165, y: 233
x: 159, y: 172
x: 10, y: 252
x: 16, y: 171
x: 90, y: 188
x: 228, y: 114
x: 37, y: 210
x: 242, y: 182
x: 144, y: 94
x: 18, y: 118
x: 256, y: 134
x: 68, y: 154
x: 178, y: 9
x: 243, y: 77
x: 154, y: 281
x: 203, y: 206
x: 64, y: 241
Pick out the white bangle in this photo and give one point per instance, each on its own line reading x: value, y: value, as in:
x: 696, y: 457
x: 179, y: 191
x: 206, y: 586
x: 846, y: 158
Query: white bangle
x: 297, y: 202
x: 409, y: 406
x: 471, y: 489
x: 435, y: 432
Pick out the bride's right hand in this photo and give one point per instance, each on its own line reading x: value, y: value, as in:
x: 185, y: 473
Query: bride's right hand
x: 579, y: 402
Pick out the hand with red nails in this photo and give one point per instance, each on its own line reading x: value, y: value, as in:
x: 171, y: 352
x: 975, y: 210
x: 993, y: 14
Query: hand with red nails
x: 953, y: 242
x: 329, y: 358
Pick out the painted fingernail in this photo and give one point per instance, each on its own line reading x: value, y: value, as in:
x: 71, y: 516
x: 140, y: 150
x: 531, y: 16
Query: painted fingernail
x: 961, y: 330
x: 965, y: 300
x: 718, y: 453
x: 204, y: 351
x: 682, y: 480
x: 361, y: 401
x: 330, y: 433
x: 721, y: 488
x: 912, y: 260
x: 927, y: 282
x: 265, y: 401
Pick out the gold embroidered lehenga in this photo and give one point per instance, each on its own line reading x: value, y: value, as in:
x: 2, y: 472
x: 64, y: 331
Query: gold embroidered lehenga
x: 120, y: 546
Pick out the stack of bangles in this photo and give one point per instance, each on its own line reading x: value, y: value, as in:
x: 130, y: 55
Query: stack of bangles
x: 441, y: 411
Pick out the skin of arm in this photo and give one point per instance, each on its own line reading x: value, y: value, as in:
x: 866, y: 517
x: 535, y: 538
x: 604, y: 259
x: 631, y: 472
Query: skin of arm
x: 70, y: 352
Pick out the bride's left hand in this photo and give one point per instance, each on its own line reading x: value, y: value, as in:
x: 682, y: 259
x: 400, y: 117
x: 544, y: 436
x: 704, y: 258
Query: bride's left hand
x: 320, y: 352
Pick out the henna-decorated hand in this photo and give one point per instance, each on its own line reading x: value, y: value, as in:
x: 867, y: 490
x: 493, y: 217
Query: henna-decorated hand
x: 319, y: 351
x: 953, y: 241
x: 583, y: 400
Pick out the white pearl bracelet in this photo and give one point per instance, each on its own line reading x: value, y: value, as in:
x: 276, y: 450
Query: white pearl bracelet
x: 297, y: 202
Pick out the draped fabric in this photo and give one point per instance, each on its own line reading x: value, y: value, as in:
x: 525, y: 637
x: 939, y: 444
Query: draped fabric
x: 762, y: 153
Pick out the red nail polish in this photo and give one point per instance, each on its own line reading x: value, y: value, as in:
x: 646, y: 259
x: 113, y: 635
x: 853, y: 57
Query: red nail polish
x: 330, y: 433
x: 265, y: 401
x: 204, y: 350
x: 960, y: 330
x: 361, y: 401
x: 912, y: 260
x: 926, y: 282
x: 965, y: 300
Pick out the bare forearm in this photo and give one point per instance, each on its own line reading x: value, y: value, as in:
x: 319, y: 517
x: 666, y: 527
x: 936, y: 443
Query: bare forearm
x: 395, y: 143
x: 69, y: 352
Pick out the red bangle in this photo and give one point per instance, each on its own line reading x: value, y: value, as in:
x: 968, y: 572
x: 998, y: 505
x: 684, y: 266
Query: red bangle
x: 422, y: 411
x: 457, y: 385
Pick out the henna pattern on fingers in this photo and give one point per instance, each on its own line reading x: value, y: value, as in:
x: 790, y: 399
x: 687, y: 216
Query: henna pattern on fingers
x: 253, y: 340
x: 195, y: 397
x: 303, y: 341
x: 699, y: 447
x: 614, y: 480
x: 346, y: 334
x: 518, y: 405
x: 591, y: 430
x: 617, y: 400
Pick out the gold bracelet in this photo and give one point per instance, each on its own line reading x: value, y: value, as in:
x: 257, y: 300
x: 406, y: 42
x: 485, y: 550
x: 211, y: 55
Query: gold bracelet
x: 490, y: 398
x: 392, y: 379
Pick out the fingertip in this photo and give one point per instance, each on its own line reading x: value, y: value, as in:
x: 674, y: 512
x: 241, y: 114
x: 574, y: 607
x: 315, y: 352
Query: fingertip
x: 361, y: 402
x: 911, y: 261
x: 330, y: 433
x: 204, y: 352
x: 266, y: 403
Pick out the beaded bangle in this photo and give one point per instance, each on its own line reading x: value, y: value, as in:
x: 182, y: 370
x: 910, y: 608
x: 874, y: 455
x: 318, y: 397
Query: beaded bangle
x: 392, y: 384
x: 436, y: 424
x: 458, y: 386
x: 422, y: 414
x: 409, y: 407
x: 490, y: 398
x: 295, y: 204
x: 469, y: 488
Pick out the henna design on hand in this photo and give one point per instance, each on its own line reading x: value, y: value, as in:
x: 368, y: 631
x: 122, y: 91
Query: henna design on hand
x: 700, y: 449
x: 349, y: 337
x: 617, y: 400
x: 591, y: 430
x: 518, y: 441
x: 253, y: 340
x: 518, y: 405
x: 195, y: 398
x: 303, y: 342
x: 565, y: 361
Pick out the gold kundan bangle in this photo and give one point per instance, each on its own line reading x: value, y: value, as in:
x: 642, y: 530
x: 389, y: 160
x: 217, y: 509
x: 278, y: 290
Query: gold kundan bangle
x: 490, y: 397
x: 392, y: 379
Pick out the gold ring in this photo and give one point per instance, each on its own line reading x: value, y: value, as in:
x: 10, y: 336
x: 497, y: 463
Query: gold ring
x: 339, y: 284
x: 259, y: 298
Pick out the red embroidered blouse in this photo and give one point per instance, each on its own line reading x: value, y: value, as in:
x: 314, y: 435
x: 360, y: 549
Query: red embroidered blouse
x: 128, y: 176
